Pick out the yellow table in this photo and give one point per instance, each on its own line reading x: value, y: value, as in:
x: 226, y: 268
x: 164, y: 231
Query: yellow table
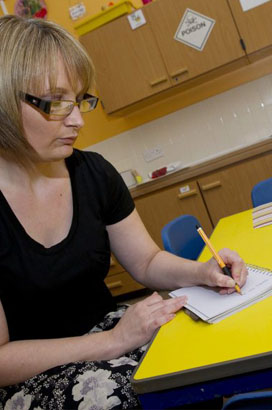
x: 187, y: 353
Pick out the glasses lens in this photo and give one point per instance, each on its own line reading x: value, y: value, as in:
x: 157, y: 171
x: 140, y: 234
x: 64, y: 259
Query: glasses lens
x: 85, y: 106
x: 61, y: 108
x: 88, y: 104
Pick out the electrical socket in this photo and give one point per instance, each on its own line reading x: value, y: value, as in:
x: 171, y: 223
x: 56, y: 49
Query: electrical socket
x: 153, y: 153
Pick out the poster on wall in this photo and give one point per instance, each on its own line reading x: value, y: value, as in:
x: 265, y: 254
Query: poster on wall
x: 30, y: 8
x: 250, y: 4
x: 194, y: 29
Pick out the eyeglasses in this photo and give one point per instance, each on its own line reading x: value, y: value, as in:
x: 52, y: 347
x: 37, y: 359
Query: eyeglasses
x: 61, y: 108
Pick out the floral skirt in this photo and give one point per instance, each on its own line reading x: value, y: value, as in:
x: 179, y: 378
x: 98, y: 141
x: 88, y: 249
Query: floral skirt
x: 98, y: 385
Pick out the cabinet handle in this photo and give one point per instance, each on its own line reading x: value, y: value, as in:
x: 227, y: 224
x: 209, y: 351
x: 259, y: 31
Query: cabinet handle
x: 158, y: 81
x: 182, y: 70
x: 113, y: 285
x: 186, y: 194
x: 211, y: 185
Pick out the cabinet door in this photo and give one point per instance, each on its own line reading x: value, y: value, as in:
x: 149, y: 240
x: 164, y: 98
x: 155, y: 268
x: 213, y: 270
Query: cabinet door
x: 182, y: 61
x: 254, y: 25
x: 229, y: 191
x: 160, y: 207
x: 128, y: 63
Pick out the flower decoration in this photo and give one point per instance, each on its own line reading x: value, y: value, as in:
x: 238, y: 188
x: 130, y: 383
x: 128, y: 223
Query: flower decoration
x: 30, y: 8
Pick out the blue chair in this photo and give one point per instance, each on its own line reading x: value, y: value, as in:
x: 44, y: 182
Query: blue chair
x: 260, y: 400
x: 181, y: 238
x: 262, y: 192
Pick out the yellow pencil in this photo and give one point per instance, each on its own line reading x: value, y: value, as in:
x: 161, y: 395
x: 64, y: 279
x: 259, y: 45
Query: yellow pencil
x: 217, y: 257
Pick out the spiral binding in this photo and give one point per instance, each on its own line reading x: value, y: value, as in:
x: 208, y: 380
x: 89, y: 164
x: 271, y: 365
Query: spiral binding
x: 260, y: 269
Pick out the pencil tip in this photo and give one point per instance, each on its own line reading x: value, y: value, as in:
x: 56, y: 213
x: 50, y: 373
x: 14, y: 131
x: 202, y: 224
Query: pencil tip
x: 197, y: 226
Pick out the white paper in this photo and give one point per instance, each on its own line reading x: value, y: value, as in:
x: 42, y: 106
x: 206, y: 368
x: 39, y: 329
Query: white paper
x: 136, y: 19
x: 211, y: 306
x: 77, y: 11
x: 194, y: 29
x: 184, y: 189
x: 250, y: 4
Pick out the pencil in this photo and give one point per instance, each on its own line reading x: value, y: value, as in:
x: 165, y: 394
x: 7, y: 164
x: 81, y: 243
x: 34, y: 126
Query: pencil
x: 217, y: 257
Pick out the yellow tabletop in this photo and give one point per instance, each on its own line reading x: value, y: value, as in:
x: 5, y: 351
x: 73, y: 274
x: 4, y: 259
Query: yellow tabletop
x: 236, y: 232
x: 186, y: 351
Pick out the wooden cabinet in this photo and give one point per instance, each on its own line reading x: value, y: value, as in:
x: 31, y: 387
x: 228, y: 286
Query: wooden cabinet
x: 254, y: 25
x: 182, y: 61
x: 228, y: 191
x: 119, y: 281
x: 128, y: 63
x: 208, y: 198
x: 160, y: 207
x: 132, y: 65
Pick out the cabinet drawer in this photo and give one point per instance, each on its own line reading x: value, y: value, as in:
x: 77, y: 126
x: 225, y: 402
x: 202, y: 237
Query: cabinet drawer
x: 122, y: 283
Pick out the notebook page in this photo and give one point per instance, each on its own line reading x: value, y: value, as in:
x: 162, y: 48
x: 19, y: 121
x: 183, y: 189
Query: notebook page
x: 208, y: 303
x: 217, y: 318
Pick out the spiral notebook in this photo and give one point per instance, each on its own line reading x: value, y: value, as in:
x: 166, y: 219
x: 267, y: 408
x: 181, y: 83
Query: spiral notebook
x: 209, y: 305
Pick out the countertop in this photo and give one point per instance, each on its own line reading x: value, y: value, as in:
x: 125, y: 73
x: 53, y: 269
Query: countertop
x: 202, y: 168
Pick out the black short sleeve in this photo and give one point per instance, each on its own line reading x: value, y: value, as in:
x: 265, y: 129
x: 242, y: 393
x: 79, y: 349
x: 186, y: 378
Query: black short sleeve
x: 119, y: 204
x: 115, y: 199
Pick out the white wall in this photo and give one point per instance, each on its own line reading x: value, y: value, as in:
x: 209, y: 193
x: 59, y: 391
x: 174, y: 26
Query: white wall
x: 220, y: 124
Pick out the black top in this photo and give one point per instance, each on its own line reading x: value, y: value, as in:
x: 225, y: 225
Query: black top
x: 60, y: 291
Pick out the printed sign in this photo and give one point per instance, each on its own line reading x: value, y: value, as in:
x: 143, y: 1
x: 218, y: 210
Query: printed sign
x: 136, y: 19
x: 77, y: 11
x: 194, y: 29
x: 250, y: 4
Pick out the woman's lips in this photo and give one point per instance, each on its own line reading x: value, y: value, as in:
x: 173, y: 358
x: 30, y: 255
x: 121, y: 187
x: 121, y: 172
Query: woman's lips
x: 68, y: 140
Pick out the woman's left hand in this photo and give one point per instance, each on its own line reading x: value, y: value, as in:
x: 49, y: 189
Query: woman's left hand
x: 212, y: 275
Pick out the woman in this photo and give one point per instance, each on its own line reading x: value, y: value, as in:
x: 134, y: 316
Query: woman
x: 63, y: 342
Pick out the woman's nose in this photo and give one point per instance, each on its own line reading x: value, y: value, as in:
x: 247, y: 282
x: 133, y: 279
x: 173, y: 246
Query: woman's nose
x: 75, y: 118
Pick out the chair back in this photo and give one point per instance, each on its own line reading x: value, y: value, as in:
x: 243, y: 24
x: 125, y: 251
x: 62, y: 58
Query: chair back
x: 181, y: 238
x: 262, y: 192
x: 260, y: 400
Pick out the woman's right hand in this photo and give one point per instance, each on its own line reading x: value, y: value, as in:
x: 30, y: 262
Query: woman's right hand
x: 138, y: 324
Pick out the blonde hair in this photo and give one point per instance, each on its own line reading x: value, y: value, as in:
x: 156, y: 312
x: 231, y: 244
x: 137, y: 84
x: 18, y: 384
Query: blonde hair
x: 29, y: 53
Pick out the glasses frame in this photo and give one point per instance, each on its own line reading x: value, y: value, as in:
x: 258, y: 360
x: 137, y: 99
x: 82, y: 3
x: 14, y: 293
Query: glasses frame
x: 45, y: 105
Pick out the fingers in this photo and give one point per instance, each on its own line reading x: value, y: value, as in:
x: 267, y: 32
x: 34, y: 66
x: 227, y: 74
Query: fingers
x: 233, y: 259
x: 169, y: 305
x: 222, y: 280
x: 152, y: 299
x: 236, y: 264
x: 156, y: 302
x: 136, y: 327
x: 165, y: 310
x: 156, y: 311
x: 240, y: 273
